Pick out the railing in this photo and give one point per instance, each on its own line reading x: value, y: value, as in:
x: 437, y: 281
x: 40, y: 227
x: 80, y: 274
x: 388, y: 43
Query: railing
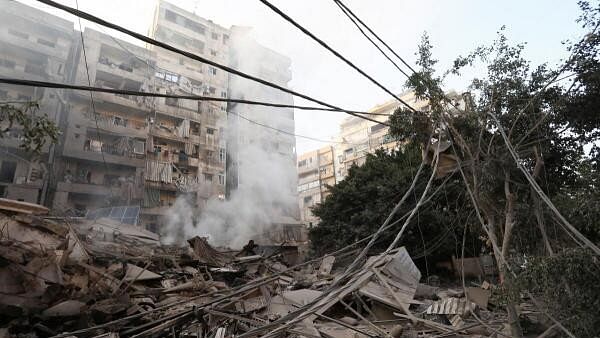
x: 112, y: 150
x: 109, y: 122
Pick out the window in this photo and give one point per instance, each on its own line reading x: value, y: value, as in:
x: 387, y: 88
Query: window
x: 348, y: 151
x: 7, y: 171
x: 222, y: 155
x: 46, y: 42
x: 225, y: 38
x: 221, y: 179
x: 3, y: 94
x: 208, y: 177
x: 172, y: 77
x: 164, y: 75
x: 302, y: 163
x: 212, y: 90
x: 213, y: 52
x: 173, y: 102
x: 19, y: 34
x: 224, y: 94
x: 307, y: 199
x: 213, y: 71
x: 210, y: 131
x: 215, y: 36
x: 377, y: 127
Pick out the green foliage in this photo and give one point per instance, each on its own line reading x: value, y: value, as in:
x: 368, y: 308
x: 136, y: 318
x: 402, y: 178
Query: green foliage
x: 35, y: 131
x: 359, y: 204
x: 567, y: 285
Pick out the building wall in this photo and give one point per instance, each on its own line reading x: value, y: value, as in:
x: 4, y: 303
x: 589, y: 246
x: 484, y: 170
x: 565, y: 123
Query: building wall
x: 37, y: 46
x: 258, y: 155
x: 357, y: 138
x: 110, y: 150
x: 315, y: 174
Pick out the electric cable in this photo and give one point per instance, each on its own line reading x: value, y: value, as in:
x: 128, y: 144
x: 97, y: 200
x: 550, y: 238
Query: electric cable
x: 354, y: 20
x: 196, y: 57
x: 186, y: 97
x: 333, y: 51
x: 93, y: 105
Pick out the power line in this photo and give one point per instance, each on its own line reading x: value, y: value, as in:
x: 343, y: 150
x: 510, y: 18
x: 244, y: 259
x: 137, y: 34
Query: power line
x: 32, y: 83
x: 87, y: 71
x: 333, y: 51
x: 186, y: 97
x: 340, y: 3
x: 287, y: 132
x: 196, y: 57
x: 350, y: 16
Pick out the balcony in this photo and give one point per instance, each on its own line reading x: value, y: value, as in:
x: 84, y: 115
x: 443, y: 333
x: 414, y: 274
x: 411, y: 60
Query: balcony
x: 123, y: 70
x: 171, y: 135
x: 118, y: 125
x: 109, y: 154
x: 134, y: 102
x: 87, y: 188
x: 54, y: 52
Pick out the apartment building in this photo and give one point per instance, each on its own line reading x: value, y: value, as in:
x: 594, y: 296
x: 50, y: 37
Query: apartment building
x: 119, y: 150
x: 203, y: 177
x: 316, y: 172
x: 104, y: 151
x: 36, y: 46
x: 358, y: 137
x: 261, y: 142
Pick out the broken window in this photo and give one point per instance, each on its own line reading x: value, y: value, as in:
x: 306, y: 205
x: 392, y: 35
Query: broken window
x: 208, y: 177
x: 210, y: 131
x: 307, y: 199
x: 7, y: 171
x: 221, y: 179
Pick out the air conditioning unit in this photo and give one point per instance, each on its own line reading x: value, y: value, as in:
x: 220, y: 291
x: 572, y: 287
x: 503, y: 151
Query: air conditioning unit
x: 139, y: 147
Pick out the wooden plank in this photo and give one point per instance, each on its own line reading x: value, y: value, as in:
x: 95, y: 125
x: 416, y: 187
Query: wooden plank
x: 23, y: 207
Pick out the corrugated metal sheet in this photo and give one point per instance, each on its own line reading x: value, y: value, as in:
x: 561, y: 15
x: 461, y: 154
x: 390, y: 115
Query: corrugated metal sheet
x: 159, y: 171
x: 450, y: 306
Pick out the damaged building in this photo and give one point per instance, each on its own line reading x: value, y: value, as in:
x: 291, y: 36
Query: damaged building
x: 121, y: 150
x: 35, y: 49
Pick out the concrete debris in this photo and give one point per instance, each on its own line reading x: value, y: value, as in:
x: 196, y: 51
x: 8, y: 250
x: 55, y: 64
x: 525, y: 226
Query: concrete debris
x: 72, y: 277
x: 451, y: 306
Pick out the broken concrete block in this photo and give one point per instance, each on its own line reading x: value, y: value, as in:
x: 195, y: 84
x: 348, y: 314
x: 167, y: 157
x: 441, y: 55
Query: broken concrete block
x: 67, y: 308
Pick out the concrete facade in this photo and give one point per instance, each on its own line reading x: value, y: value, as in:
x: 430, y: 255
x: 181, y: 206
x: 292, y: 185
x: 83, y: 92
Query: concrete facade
x: 36, y: 46
x: 356, y: 139
x: 316, y: 172
x: 125, y: 150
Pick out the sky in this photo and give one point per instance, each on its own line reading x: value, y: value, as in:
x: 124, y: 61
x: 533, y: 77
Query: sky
x: 455, y: 28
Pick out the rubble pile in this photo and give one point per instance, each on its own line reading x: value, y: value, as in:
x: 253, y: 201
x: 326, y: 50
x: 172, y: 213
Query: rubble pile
x: 99, y: 278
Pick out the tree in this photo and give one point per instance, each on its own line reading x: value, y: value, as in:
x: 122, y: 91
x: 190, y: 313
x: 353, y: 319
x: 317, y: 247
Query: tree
x: 34, y: 130
x: 548, y: 125
x: 359, y: 204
